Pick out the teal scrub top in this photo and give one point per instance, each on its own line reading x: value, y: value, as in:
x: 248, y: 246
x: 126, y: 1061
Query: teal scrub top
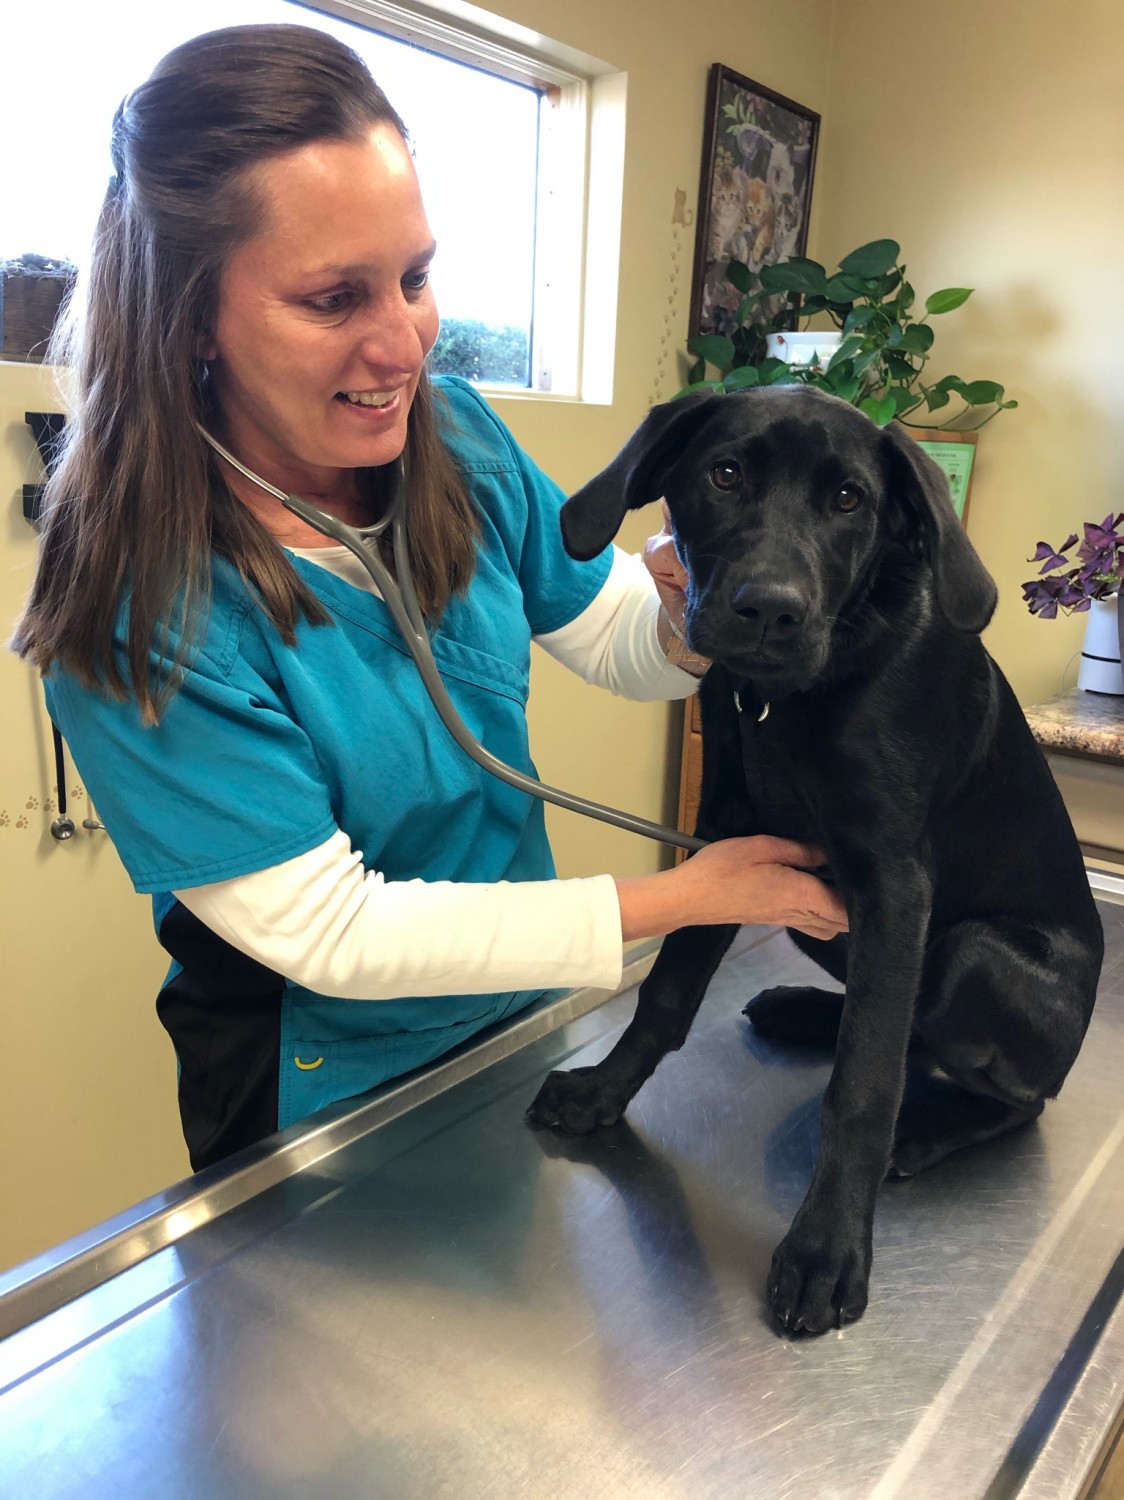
x: 267, y: 749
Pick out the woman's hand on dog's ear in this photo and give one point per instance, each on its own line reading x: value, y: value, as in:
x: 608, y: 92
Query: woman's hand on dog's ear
x: 662, y: 561
x: 670, y: 576
x: 761, y: 880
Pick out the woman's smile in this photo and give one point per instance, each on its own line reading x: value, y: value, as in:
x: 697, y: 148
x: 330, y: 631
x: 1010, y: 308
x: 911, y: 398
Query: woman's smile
x: 372, y: 403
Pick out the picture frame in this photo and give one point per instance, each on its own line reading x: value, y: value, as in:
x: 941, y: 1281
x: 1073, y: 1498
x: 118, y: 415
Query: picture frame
x: 755, y: 191
x: 954, y: 453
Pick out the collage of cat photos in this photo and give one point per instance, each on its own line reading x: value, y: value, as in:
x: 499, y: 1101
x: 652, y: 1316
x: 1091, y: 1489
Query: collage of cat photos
x: 755, y: 191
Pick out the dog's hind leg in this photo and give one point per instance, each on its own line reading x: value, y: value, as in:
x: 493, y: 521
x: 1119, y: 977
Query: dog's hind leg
x: 1001, y: 1011
x: 583, y: 1098
x: 797, y: 1014
x: 801, y: 1014
x: 945, y: 1118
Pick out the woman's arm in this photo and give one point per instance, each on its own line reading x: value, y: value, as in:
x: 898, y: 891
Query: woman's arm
x: 327, y: 924
x: 621, y: 641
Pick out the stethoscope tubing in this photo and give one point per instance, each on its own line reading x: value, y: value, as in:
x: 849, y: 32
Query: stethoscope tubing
x: 400, y: 598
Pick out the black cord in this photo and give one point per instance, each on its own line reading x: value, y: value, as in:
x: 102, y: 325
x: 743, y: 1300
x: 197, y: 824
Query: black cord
x: 60, y: 768
x: 62, y: 827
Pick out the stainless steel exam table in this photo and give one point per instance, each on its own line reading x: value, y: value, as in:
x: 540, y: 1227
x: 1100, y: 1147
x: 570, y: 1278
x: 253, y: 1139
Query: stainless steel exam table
x: 422, y: 1297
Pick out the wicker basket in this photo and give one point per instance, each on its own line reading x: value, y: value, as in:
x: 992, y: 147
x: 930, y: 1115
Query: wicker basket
x: 29, y: 305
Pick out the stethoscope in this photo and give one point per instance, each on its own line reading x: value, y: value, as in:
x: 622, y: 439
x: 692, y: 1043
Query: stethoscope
x: 401, y: 599
x: 63, y: 827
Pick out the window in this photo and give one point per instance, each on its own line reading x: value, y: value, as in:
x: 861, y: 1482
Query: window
x: 500, y: 139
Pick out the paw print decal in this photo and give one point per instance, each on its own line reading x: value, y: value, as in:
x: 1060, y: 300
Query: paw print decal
x: 4, y: 819
x: 21, y: 822
x: 31, y: 804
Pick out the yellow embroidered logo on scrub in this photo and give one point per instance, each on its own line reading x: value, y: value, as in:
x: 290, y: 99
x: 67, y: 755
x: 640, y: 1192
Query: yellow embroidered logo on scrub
x: 307, y: 1067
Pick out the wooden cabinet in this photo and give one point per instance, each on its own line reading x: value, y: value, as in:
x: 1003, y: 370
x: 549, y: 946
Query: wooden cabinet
x: 690, y: 771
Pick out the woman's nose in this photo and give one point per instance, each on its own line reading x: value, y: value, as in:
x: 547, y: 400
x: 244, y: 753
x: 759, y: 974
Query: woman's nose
x: 391, y: 337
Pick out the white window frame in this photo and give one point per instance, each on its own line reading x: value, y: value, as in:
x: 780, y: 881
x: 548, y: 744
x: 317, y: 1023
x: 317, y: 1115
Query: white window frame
x: 581, y: 178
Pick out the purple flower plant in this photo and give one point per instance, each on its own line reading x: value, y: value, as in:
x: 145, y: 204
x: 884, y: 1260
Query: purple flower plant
x: 1097, y: 574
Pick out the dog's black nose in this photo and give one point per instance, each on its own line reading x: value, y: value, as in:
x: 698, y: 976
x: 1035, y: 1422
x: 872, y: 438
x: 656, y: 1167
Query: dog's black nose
x: 778, y: 611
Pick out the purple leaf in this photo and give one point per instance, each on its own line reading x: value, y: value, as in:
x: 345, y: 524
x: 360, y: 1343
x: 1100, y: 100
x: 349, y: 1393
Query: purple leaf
x: 1102, y: 535
x: 1045, y: 554
x: 1098, y: 574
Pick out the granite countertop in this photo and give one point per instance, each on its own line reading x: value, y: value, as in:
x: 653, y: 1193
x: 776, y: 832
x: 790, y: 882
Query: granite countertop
x: 1080, y: 723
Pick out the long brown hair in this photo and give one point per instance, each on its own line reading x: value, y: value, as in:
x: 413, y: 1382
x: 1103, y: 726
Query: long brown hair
x: 138, y: 503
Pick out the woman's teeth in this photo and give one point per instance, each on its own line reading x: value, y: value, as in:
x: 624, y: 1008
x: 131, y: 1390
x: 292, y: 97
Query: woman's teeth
x: 369, y: 398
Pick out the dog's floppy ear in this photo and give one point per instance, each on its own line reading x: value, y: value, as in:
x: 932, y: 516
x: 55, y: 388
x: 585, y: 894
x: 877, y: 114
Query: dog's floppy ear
x: 592, y: 515
x: 965, y: 589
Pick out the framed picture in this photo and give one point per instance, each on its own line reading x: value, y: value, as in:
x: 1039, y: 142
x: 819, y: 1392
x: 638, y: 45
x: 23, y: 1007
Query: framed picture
x: 755, y: 190
x: 954, y: 454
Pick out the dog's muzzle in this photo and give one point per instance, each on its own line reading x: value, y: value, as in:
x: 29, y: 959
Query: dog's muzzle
x: 761, y: 628
x: 773, y: 614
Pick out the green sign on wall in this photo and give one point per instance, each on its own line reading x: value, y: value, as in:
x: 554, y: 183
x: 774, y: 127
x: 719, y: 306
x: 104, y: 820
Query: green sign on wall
x: 955, y: 461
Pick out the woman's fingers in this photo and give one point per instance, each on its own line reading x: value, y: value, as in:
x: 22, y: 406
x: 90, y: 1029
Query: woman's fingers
x: 758, y: 880
x: 663, y: 562
x: 790, y: 852
x: 766, y: 880
x: 820, y: 905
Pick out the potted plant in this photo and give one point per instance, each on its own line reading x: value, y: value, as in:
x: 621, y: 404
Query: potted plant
x: 1090, y: 582
x: 881, y: 349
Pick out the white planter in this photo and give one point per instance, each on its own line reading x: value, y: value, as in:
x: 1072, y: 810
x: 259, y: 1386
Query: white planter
x: 1100, y: 651
x: 805, y: 351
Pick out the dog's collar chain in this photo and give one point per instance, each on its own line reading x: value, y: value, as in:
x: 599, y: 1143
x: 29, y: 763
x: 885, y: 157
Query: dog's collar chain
x: 761, y: 717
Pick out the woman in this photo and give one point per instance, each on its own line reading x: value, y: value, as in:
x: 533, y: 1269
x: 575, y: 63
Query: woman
x: 343, y: 893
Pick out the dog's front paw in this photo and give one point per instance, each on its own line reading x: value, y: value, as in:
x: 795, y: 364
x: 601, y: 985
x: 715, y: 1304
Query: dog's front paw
x: 576, y: 1102
x: 817, y: 1282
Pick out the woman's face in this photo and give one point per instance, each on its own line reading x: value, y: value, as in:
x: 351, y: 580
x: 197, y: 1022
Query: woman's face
x: 326, y: 315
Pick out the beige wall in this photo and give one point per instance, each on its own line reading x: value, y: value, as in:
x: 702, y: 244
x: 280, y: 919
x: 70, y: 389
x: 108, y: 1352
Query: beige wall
x: 985, y: 136
x: 979, y: 135
x: 87, y: 1078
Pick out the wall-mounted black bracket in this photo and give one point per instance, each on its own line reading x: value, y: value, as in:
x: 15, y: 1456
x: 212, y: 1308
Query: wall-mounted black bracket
x: 33, y: 502
x: 47, y: 428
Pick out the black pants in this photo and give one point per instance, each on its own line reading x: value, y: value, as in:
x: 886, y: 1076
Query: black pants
x: 223, y: 1014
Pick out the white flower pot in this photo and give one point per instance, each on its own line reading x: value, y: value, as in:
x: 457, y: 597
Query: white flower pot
x: 805, y: 351
x: 1100, y: 652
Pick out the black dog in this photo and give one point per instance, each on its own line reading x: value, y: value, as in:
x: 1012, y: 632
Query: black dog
x: 851, y: 704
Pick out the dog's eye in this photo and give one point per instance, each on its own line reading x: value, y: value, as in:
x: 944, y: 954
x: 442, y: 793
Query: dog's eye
x: 848, y: 499
x: 725, y: 476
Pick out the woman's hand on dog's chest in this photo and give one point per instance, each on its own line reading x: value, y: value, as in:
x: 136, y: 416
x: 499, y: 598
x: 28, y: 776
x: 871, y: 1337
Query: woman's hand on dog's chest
x: 761, y: 880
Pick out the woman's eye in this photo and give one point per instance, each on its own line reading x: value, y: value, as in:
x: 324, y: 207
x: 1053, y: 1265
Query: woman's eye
x: 848, y: 499
x: 725, y: 476
x: 416, y: 281
x: 331, y: 302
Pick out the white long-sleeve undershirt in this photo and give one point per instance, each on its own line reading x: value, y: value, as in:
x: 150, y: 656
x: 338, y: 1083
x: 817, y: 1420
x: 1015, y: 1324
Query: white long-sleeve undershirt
x: 325, y: 923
